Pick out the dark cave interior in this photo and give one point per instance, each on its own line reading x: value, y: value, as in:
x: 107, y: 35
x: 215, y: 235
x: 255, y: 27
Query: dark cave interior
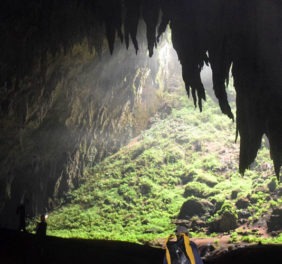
x: 244, y: 37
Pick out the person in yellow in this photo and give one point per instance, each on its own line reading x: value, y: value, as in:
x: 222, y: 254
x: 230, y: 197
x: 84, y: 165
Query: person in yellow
x: 180, y: 250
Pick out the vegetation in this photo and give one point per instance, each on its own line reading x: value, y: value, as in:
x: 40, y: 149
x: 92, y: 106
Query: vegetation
x: 184, y: 157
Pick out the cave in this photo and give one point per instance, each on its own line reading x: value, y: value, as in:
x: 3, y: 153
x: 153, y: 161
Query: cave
x: 61, y: 110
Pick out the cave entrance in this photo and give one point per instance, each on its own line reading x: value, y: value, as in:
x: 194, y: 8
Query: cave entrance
x: 150, y: 159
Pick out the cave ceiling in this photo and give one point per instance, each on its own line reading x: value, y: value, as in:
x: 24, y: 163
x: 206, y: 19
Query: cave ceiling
x: 244, y: 37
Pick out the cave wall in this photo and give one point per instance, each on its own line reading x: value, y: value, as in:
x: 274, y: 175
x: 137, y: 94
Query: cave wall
x: 50, y: 49
x: 90, y: 105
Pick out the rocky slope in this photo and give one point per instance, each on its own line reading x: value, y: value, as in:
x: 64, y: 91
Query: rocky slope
x: 165, y: 177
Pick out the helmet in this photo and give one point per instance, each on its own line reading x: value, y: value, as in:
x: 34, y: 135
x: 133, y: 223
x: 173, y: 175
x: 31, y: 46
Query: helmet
x: 181, y: 229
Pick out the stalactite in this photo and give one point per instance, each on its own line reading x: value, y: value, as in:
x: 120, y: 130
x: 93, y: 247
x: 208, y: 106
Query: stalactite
x: 187, y: 43
x: 150, y: 15
x: 250, y: 116
x: 235, y: 34
x: 131, y: 21
x: 111, y: 16
x: 219, y: 50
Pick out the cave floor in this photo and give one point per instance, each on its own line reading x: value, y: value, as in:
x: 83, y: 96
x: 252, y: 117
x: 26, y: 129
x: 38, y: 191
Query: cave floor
x: 17, y: 247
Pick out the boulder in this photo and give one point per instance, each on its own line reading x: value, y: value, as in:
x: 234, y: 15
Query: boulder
x: 224, y: 223
x: 242, y: 203
x: 194, y: 207
x: 275, y: 221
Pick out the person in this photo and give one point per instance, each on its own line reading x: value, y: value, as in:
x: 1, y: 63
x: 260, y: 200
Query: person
x: 41, y: 227
x: 21, y: 213
x: 181, y: 251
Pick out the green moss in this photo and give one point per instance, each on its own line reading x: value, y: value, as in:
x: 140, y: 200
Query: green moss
x: 227, y: 206
x: 207, y: 178
x: 135, y: 194
x: 197, y: 189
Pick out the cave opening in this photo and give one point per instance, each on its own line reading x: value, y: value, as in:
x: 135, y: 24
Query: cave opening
x: 168, y: 167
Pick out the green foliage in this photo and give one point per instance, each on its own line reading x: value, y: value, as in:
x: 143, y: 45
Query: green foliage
x: 207, y: 178
x: 135, y: 194
x: 227, y: 207
x: 234, y: 237
x: 197, y: 189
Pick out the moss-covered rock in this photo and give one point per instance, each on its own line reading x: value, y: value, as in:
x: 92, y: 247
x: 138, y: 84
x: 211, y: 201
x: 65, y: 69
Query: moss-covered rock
x: 224, y: 223
x: 272, y: 185
x: 207, y: 178
x: 194, y: 206
x: 197, y: 189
